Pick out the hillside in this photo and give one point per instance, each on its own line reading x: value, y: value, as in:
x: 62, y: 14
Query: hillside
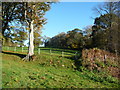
x: 50, y: 72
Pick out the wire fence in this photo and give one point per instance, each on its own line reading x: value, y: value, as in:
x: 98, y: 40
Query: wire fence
x: 50, y: 51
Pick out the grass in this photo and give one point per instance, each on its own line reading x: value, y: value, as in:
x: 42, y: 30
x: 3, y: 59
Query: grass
x: 54, y: 51
x: 50, y: 71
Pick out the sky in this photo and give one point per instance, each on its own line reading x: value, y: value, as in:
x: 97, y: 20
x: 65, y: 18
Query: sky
x: 66, y: 16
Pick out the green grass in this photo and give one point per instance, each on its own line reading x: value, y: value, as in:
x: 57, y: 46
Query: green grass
x: 50, y: 71
x: 54, y: 51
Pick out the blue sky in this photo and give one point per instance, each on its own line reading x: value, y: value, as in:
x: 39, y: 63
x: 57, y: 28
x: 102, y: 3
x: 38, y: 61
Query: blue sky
x: 66, y: 16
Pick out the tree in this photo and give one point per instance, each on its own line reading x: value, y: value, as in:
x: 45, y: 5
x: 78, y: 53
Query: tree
x: 88, y: 30
x: 107, y: 25
x: 37, y: 38
x: 10, y: 12
x: 31, y: 14
x: 75, y: 39
x: 72, y: 39
x: 105, y: 32
x: 34, y: 19
x: 87, y: 37
x: 108, y: 8
x: 19, y: 36
x: 57, y: 41
x: 19, y: 33
x: 46, y: 41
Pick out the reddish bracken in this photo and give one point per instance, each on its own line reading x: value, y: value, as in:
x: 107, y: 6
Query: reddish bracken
x: 93, y: 57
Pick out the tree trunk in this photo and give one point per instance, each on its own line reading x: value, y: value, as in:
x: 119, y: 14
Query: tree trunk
x: 31, y: 43
x: 31, y: 40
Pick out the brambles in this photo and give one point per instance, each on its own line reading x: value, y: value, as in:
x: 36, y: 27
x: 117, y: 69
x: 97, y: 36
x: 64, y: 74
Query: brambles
x: 100, y: 60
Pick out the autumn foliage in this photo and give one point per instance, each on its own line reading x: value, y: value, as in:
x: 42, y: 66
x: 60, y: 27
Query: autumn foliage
x: 101, y: 60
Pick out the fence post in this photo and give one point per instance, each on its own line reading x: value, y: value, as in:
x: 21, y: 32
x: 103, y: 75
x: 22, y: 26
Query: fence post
x: 62, y: 54
x: 38, y: 50
x: 15, y: 49
x: 22, y: 49
x: 50, y: 52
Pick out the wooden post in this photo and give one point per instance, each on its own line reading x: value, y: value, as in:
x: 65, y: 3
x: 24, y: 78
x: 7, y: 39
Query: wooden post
x: 15, y: 49
x: 22, y: 49
x: 38, y: 50
x: 62, y: 54
x: 50, y: 52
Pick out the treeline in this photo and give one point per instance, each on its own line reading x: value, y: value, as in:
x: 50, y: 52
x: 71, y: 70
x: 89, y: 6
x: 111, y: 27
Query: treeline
x: 72, y: 39
x: 104, y: 34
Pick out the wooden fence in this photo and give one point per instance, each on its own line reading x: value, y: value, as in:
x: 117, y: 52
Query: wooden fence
x: 39, y: 51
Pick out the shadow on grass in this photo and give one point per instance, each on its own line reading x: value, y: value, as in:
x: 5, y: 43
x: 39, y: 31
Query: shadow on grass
x: 17, y: 54
x: 77, y: 61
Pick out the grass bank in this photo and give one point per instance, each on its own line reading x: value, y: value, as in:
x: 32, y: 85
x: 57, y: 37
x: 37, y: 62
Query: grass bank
x: 49, y: 72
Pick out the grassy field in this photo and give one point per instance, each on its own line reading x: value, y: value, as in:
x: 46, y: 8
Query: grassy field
x: 49, y: 71
x: 49, y: 51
